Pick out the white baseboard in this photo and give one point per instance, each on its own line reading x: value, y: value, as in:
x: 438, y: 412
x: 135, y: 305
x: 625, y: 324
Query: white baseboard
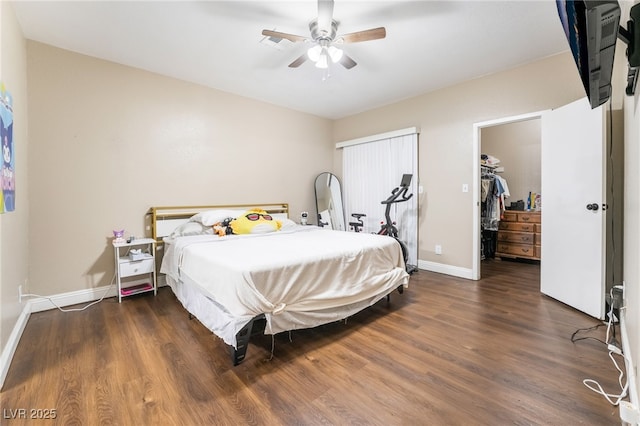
x: 10, y: 348
x: 441, y: 268
x: 630, y: 369
x: 40, y: 304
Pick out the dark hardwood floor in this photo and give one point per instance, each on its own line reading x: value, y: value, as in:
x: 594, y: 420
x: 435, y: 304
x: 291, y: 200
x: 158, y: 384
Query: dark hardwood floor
x: 447, y: 351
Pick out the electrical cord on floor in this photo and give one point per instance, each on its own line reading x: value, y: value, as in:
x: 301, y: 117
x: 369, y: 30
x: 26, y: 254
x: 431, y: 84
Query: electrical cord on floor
x: 595, y: 386
x: 576, y: 339
x: 74, y: 309
x: 613, y: 349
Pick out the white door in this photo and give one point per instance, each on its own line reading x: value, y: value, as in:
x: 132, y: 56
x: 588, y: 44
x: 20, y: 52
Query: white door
x: 573, y: 235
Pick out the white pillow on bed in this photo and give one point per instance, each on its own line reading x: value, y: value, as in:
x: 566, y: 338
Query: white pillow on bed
x: 191, y: 228
x: 287, y: 224
x: 211, y: 217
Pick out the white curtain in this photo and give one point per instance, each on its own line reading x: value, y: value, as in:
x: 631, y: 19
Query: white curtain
x: 370, y: 171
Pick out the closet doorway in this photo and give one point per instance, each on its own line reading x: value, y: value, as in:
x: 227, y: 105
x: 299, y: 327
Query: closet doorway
x: 581, y: 173
x: 516, y: 142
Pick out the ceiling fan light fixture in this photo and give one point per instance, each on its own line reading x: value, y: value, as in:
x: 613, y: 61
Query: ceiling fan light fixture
x: 324, y: 33
x: 335, y: 54
x: 314, y: 53
x: 323, y: 61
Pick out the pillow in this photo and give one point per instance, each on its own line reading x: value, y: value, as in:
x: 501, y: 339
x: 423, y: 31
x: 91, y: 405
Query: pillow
x: 255, y: 221
x: 287, y: 224
x: 191, y: 228
x: 211, y: 217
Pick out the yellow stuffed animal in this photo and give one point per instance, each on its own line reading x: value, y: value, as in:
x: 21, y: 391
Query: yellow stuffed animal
x: 255, y: 221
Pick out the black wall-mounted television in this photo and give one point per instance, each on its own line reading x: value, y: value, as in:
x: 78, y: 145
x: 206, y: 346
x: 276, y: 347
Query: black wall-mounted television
x: 592, y: 29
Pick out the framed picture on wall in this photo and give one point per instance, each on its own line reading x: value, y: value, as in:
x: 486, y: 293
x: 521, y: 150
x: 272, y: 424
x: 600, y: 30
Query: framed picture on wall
x: 8, y: 169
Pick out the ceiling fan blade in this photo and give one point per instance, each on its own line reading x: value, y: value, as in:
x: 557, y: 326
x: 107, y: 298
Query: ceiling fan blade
x: 299, y: 61
x: 277, y: 34
x: 347, y: 62
x: 325, y: 15
x: 366, y: 35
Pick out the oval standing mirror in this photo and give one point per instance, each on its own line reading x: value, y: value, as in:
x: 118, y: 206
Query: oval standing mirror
x: 329, y: 202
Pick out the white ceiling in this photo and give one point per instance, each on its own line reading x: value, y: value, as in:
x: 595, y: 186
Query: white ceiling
x: 429, y: 44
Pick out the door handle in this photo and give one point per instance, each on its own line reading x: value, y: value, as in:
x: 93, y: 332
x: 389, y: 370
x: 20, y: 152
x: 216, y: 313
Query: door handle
x: 592, y: 206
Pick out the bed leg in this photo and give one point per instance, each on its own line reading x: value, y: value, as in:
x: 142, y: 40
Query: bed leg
x: 242, y: 340
x: 400, y: 290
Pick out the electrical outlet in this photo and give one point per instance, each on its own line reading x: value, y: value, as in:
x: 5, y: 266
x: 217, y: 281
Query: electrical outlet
x: 438, y: 249
x: 618, y: 297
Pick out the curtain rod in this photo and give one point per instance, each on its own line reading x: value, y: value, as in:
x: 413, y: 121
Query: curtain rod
x: 379, y: 136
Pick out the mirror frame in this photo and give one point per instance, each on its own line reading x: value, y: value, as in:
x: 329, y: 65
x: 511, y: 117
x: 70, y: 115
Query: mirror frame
x: 329, y: 183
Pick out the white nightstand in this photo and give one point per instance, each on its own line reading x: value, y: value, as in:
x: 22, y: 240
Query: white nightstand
x: 135, y: 274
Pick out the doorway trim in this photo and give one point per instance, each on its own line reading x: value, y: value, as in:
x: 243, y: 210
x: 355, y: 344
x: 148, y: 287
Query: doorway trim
x: 477, y: 130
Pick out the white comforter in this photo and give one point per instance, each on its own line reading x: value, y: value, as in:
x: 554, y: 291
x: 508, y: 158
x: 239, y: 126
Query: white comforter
x: 299, y: 278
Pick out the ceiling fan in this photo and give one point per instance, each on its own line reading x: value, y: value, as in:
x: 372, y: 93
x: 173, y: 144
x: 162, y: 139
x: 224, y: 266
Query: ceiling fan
x: 324, y: 38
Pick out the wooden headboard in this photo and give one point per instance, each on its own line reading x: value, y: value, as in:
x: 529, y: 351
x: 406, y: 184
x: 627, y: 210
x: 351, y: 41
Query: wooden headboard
x: 165, y: 219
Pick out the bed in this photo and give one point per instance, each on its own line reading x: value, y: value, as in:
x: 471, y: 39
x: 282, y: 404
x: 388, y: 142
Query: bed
x: 290, y: 278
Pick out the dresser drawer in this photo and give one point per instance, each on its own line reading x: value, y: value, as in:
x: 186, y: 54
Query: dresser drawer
x: 516, y: 237
x: 510, y: 216
x: 129, y: 268
x: 516, y: 226
x: 519, y: 250
x: 529, y: 217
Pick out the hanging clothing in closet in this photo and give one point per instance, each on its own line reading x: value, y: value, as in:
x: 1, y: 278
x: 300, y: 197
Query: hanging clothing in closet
x: 493, y: 191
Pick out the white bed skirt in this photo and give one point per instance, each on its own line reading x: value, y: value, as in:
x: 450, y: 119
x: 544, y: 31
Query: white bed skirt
x: 297, y: 279
x: 220, y: 322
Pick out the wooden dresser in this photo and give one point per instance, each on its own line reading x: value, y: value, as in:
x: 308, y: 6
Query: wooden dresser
x: 519, y: 235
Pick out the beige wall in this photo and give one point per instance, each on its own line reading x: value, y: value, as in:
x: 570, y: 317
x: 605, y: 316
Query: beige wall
x: 632, y: 224
x: 446, y: 118
x: 14, y: 264
x: 517, y: 145
x: 631, y: 249
x: 109, y: 141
